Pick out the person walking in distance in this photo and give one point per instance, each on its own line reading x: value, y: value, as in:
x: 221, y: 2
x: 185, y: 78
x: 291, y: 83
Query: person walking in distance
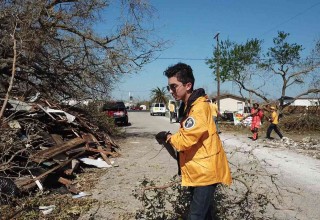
x: 172, y: 109
x: 202, y: 159
x: 257, y: 115
x: 215, y: 113
x: 274, y: 121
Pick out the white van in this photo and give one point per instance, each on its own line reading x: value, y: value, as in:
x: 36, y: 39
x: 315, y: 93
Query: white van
x: 158, y: 109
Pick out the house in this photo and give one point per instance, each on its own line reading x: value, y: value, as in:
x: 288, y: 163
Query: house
x: 306, y: 101
x: 232, y: 103
x: 143, y: 107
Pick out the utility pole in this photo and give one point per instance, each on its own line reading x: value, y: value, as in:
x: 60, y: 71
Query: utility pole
x: 217, y: 71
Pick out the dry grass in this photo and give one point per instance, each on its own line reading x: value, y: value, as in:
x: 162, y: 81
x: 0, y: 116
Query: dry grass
x: 66, y: 207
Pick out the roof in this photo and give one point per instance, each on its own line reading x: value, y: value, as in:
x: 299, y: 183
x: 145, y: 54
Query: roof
x: 300, y: 98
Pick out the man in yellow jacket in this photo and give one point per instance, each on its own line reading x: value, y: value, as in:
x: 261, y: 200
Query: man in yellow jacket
x: 215, y: 113
x: 274, y: 121
x: 201, y: 157
x: 172, y: 110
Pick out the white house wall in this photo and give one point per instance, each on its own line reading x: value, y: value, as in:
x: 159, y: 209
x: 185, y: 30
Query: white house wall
x: 305, y: 102
x: 231, y: 105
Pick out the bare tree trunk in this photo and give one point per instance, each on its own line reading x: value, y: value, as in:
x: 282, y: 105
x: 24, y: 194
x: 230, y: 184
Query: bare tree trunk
x: 13, y: 72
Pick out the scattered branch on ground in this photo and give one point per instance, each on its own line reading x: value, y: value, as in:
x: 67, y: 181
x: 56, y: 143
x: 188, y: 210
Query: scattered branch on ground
x: 254, y: 194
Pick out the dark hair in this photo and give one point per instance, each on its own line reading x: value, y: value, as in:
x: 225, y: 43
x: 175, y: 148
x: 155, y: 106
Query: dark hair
x: 182, y: 71
x: 213, y: 100
x: 256, y: 104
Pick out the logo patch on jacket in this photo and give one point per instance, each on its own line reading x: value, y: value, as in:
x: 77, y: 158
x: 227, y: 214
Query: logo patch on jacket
x: 189, y: 123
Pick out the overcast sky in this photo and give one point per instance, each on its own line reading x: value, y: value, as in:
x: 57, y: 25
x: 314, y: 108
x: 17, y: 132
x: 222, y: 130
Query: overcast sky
x: 191, y: 25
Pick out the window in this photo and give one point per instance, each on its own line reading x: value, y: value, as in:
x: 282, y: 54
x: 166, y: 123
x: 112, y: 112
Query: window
x: 239, y: 106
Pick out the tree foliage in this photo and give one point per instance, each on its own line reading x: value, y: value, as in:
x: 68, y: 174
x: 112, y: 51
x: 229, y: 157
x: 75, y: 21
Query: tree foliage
x: 255, y: 72
x: 233, y: 57
x: 60, y: 53
x: 159, y: 95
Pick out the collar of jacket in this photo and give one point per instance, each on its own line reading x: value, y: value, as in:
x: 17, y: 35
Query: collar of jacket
x: 193, y: 97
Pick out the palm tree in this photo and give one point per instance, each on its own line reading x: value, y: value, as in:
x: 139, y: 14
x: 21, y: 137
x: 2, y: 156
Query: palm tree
x: 159, y: 95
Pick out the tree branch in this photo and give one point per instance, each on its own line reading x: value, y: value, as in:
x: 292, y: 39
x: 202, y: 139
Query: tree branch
x: 251, y: 90
x: 14, y: 48
x: 302, y: 72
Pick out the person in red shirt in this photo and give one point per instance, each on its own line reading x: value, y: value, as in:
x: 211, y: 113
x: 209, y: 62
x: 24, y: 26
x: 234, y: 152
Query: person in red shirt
x: 257, y: 115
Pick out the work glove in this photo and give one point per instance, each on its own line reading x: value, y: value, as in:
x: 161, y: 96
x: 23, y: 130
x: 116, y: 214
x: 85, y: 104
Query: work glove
x: 161, y: 137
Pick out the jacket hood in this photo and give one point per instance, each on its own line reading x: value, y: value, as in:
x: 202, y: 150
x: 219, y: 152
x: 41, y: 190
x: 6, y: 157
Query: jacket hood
x: 193, y: 97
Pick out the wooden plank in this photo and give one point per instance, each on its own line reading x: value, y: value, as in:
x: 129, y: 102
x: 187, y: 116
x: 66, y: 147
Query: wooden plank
x: 75, y: 150
x: 64, y: 181
x: 94, y: 139
x: 26, y: 183
x: 19, y: 182
x: 100, y: 150
x: 113, y: 154
x: 43, y: 155
x: 68, y: 184
x: 57, y: 138
x: 74, y: 166
x: 105, y: 158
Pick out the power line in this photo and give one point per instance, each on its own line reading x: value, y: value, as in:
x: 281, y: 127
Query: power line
x: 286, y: 21
x: 179, y: 58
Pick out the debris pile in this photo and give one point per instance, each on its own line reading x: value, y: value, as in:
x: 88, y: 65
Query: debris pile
x: 43, y: 144
x: 308, y: 145
x: 301, y: 122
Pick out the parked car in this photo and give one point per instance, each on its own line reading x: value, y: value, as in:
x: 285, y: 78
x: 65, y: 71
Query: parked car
x: 158, y: 109
x: 136, y: 108
x: 116, y: 110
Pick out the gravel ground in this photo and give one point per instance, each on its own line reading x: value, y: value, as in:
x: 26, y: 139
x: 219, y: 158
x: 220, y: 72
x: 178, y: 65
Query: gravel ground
x: 143, y: 157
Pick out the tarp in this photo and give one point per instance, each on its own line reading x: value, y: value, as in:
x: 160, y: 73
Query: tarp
x: 237, y: 117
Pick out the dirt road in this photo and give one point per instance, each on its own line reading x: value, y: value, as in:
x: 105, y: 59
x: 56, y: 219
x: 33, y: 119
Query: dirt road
x: 143, y: 157
x: 298, y: 173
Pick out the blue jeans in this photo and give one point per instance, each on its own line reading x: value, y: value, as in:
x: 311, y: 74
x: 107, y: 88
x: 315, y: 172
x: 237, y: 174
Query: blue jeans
x: 201, y: 206
x: 275, y: 128
x: 215, y: 119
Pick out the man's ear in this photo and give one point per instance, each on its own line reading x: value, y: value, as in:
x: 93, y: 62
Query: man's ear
x: 188, y: 86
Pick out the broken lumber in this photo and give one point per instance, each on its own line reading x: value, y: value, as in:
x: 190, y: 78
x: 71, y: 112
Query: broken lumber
x: 46, y: 154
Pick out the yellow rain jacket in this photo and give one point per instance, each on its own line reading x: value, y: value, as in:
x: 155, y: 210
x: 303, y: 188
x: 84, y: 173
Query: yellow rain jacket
x: 274, y: 118
x: 171, y: 107
x: 202, y: 158
x: 214, y: 109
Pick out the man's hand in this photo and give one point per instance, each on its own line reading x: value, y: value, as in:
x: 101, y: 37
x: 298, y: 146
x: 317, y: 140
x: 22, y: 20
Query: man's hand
x: 161, y: 137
